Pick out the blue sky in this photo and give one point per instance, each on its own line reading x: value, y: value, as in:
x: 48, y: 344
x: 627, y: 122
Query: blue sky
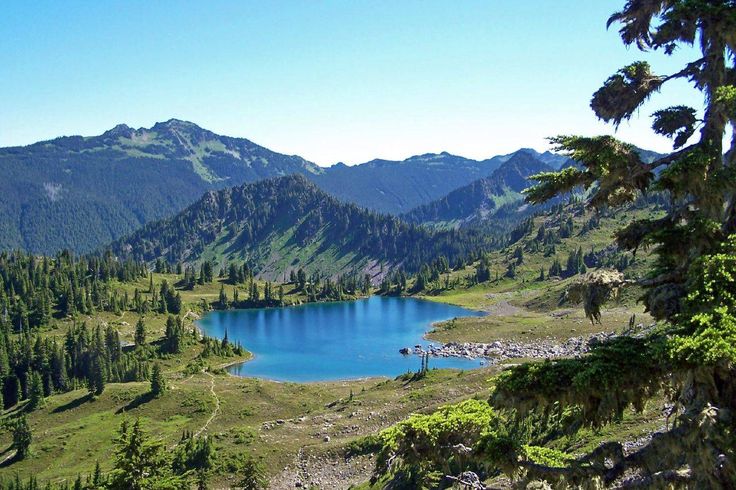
x: 328, y: 80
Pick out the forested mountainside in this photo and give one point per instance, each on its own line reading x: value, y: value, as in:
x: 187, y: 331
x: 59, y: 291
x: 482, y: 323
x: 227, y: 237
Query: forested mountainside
x: 397, y: 187
x: 483, y: 198
x: 80, y: 193
x: 556, y: 242
x: 282, y: 224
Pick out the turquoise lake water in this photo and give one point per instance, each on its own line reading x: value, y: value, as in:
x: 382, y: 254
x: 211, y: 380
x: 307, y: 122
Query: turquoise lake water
x: 331, y: 341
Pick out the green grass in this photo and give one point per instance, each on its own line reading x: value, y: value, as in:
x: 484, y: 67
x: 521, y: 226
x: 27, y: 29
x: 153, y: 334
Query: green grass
x: 273, y: 421
x: 528, y: 326
x: 279, y: 253
x: 269, y: 420
x: 72, y: 431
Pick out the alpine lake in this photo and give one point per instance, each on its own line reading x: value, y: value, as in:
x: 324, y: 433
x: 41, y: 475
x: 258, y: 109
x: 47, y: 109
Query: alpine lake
x: 335, y: 341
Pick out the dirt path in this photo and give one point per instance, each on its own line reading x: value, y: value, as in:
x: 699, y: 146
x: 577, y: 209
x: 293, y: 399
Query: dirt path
x: 217, y: 406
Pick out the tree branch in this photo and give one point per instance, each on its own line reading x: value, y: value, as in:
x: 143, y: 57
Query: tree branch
x: 671, y: 157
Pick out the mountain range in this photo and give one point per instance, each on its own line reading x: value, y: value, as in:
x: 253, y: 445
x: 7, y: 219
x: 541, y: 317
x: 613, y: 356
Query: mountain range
x: 482, y: 199
x: 81, y: 193
x: 397, y: 187
x: 282, y: 224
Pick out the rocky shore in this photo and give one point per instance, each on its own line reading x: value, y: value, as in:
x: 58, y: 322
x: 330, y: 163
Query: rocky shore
x: 502, y: 350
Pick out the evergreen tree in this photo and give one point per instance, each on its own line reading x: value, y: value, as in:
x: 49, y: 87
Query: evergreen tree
x: 173, y: 335
x: 252, y: 475
x: 22, y: 438
x: 140, y: 462
x: 483, y: 271
x: 555, y: 270
x: 223, y: 297
x: 35, y: 394
x: 232, y: 275
x: 96, y: 374
x: 140, y: 333
x: 301, y: 278
x: 97, y: 479
x: 511, y: 270
x: 197, y: 454
x: 12, y: 393
x: 690, y: 287
x: 519, y: 255
x: 206, y: 273
x: 158, y: 383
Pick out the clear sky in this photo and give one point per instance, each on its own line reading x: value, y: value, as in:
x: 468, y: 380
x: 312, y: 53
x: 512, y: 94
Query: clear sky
x: 328, y: 80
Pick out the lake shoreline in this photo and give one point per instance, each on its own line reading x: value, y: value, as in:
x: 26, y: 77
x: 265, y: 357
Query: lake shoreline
x: 340, y: 341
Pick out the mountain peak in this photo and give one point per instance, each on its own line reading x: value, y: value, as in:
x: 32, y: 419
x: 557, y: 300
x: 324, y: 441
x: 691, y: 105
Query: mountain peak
x: 176, y: 124
x: 522, y: 163
x: 119, y: 130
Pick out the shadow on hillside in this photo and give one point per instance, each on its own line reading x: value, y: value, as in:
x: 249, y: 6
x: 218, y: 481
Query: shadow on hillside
x: 136, y: 402
x: 8, y: 457
x: 73, y: 404
x: 18, y: 409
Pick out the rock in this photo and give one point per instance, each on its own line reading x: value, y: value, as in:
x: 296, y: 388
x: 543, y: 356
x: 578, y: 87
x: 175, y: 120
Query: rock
x: 470, y: 480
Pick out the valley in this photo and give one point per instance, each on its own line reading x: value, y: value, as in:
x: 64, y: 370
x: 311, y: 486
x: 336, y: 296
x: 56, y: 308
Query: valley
x: 185, y: 310
x: 275, y: 423
x: 307, y: 433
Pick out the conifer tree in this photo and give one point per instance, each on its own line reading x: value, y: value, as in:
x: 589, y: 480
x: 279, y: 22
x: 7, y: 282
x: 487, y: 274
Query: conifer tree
x: 97, y: 479
x: 13, y: 392
x: 35, y: 392
x: 140, y: 333
x: 140, y: 462
x: 96, y: 374
x: 511, y: 270
x: 519, y: 255
x: 223, y: 297
x: 252, y: 475
x: 22, y: 438
x: 158, y: 383
x: 691, y: 287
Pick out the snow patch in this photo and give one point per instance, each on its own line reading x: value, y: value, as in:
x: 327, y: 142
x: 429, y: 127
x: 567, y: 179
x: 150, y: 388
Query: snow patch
x: 52, y: 190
